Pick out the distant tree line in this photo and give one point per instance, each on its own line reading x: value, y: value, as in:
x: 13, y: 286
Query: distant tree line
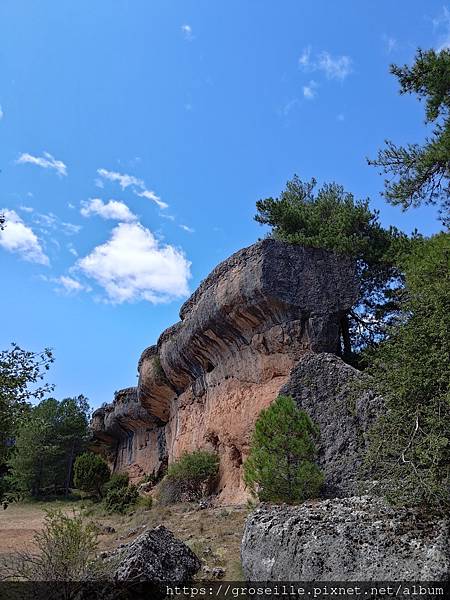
x: 40, y: 437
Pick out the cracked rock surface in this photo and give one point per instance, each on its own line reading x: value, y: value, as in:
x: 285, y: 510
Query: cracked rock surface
x: 345, y: 539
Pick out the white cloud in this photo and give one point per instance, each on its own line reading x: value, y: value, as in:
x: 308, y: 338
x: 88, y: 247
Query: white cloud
x: 305, y: 58
x: 309, y: 91
x: 114, y: 209
x: 334, y: 68
x: 2, y: 114
x: 70, y: 228
x: 288, y: 107
x: 168, y: 217
x: 71, y: 285
x: 72, y: 250
x: 187, y: 32
x: 442, y: 24
x: 188, y: 229
x: 51, y: 221
x: 137, y: 184
x: 99, y: 183
x: 153, y: 197
x: 338, y: 67
x: 46, y: 162
x: 390, y: 43
x: 21, y: 239
x: 133, y: 265
x: 27, y: 209
x: 123, y: 180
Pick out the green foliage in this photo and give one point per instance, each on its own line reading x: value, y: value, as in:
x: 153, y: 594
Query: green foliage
x: 116, y: 482
x: 46, y: 445
x: 66, y: 552
x: 121, y: 499
x: 189, y: 478
x: 151, y: 478
x: 90, y: 474
x: 146, y: 502
x: 410, y: 446
x: 333, y: 219
x: 21, y: 374
x: 195, y: 466
x: 421, y: 173
x: 280, y: 465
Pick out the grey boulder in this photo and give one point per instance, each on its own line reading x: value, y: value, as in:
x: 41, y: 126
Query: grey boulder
x: 156, y: 556
x: 349, y: 539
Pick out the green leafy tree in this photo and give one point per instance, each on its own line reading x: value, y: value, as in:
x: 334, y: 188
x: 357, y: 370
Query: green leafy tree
x: 333, y: 219
x: 91, y: 473
x: 22, y: 375
x: 420, y: 173
x: 410, y: 446
x: 46, y: 444
x: 280, y: 466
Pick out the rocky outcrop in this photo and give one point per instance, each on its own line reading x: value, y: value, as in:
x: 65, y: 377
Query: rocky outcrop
x: 156, y: 556
x: 241, y: 333
x: 127, y: 434
x: 335, y: 397
x: 352, y: 539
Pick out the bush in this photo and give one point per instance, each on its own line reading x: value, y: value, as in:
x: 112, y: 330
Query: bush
x: 190, y: 478
x: 116, y: 482
x: 121, y: 499
x: 66, y: 552
x: 280, y: 465
x: 146, y: 502
x: 90, y: 473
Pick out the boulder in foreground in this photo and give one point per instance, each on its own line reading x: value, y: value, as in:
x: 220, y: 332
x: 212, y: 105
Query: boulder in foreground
x: 156, y: 556
x: 348, y: 539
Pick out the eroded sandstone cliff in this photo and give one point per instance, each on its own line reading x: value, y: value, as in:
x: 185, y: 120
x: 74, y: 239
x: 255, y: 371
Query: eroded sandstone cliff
x: 240, y: 336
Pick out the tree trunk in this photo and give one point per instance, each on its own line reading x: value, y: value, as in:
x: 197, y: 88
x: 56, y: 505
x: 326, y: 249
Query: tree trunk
x: 69, y: 469
x: 346, y: 341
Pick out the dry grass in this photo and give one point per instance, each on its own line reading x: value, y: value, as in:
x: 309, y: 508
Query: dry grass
x: 214, y: 534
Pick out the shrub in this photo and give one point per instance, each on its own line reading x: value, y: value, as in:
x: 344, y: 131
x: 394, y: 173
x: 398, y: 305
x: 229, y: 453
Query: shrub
x: 146, y: 502
x: 280, y: 465
x: 121, y: 499
x: 151, y: 478
x: 190, y: 478
x: 90, y: 473
x: 116, y: 482
x: 66, y: 552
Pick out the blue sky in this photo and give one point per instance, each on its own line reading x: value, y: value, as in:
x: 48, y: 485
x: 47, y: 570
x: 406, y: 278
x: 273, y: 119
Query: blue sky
x: 137, y: 135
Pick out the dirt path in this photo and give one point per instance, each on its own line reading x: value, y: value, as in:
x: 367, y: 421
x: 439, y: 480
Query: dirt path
x: 20, y: 522
x: 214, y: 534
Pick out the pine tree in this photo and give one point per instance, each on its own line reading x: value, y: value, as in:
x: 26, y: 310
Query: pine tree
x: 280, y: 466
x: 420, y: 173
x: 410, y: 449
x: 334, y: 219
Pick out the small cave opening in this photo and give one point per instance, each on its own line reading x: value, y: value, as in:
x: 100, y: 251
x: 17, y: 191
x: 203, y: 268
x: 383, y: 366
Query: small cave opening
x: 235, y: 456
x: 209, y: 367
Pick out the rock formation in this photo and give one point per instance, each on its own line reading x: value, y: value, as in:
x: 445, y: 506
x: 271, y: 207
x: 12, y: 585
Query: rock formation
x: 335, y: 397
x: 351, y: 539
x: 156, y: 556
x: 240, y: 336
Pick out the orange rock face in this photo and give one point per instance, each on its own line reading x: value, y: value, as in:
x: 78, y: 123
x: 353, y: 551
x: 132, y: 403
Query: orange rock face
x: 210, y: 375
